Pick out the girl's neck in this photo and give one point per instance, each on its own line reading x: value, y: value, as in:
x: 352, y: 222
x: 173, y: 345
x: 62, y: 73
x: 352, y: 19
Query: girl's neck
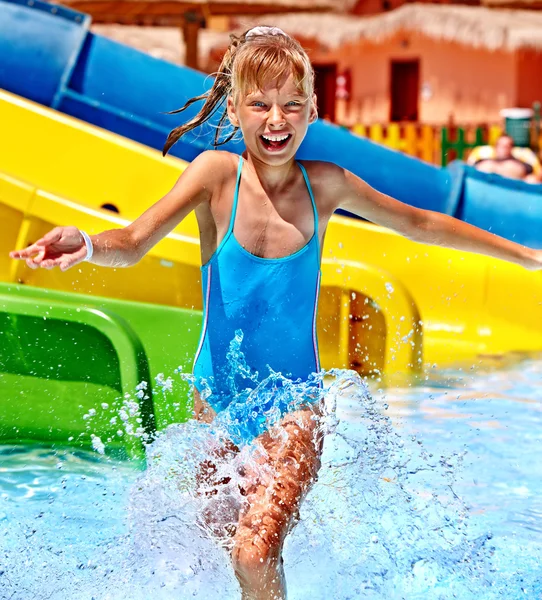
x: 272, y: 178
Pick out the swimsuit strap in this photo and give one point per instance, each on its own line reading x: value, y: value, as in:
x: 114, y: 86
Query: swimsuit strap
x: 235, y: 198
x: 315, y: 211
x: 309, y: 188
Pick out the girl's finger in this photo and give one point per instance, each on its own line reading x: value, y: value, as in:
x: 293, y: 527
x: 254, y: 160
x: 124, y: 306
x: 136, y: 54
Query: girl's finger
x: 50, y: 263
x: 64, y: 266
x: 27, y: 252
x: 39, y: 258
x: 72, y: 259
x: 50, y: 238
x: 31, y: 263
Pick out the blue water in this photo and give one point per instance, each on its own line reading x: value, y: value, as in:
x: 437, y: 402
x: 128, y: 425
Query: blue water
x: 432, y: 490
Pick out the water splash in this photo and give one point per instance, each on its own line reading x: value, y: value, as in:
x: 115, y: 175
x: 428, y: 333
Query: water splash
x: 383, y: 508
x: 384, y: 520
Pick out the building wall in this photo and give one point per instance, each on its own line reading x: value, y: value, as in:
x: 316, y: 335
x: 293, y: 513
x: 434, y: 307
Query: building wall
x: 457, y: 82
x: 529, y: 78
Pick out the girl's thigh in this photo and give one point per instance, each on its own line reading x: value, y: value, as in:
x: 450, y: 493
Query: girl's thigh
x: 273, y: 480
x: 285, y: 466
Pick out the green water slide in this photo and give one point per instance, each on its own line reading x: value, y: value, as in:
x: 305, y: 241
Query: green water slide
x: 71, y: 366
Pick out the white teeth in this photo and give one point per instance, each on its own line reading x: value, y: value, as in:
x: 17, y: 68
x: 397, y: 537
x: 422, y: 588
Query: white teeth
x: 276, y: 138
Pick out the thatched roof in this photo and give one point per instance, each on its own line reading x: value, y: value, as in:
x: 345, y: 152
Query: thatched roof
x: 161, y: 42
x: 529, y: 4
x: 172, y: 11
x: 344, y: 6
x: 468, y: 25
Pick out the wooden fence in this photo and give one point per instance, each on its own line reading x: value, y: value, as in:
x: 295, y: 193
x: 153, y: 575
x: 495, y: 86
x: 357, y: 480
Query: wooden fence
x: 438, y: 145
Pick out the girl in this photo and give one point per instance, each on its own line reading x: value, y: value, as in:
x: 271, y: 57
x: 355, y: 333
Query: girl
x: 262, y: 219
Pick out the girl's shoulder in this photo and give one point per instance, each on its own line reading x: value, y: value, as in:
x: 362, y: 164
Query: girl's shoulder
x: 220, y: 162
x: 212, y: 170
x: 325, y: 178
x: 321, y: 171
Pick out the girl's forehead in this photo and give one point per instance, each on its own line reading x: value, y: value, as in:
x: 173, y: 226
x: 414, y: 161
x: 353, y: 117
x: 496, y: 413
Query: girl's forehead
x: 287, y: 86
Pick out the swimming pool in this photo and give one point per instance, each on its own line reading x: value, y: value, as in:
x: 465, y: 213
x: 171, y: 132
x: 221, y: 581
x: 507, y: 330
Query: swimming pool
x: 432, y: 490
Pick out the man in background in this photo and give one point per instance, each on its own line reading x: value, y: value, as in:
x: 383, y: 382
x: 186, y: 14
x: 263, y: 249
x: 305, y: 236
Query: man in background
x: 507, y: 161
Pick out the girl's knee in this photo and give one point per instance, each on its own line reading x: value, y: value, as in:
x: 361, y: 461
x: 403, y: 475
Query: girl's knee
x: 249, y: 558
x: 256, y: 551
x: 253, y: 563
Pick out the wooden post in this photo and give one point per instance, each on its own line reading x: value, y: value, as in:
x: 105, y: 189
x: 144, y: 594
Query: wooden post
x: 535, y: 138
x: 191, y: 25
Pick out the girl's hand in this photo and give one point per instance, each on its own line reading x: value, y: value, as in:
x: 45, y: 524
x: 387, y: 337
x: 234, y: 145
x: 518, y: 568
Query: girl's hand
x: 534, y: 262
x: 62, y: 247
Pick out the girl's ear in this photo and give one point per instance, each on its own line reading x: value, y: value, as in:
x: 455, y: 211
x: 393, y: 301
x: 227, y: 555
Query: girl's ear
x: 232, y: 115
x: 313, y: 116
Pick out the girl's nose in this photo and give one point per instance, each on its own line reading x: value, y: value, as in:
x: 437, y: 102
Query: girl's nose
x: 275, y: 116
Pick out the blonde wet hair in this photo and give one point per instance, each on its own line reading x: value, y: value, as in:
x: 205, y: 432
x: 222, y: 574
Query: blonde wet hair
x: 259, y: 56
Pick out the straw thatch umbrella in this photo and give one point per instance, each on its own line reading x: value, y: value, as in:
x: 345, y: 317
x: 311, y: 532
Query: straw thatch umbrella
x: 165, y: 42
x: 524, y: 4
x: 190, y: 15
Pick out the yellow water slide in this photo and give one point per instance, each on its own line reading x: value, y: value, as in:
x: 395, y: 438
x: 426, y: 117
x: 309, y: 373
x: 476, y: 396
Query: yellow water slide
x: 387, y: 305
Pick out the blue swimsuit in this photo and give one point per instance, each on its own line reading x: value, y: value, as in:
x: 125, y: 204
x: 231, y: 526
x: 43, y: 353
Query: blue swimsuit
x: 265, y: 308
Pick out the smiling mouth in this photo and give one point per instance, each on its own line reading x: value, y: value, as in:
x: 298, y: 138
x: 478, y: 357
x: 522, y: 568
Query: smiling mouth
x: 274, y: 143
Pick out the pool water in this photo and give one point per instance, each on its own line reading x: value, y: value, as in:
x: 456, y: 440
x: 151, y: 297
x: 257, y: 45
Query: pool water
x: 432, y: 490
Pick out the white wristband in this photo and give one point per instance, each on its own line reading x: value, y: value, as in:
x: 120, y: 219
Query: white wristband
x: 88, y: 244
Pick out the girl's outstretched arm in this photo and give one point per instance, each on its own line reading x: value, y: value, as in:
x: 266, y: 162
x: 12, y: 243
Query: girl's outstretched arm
x: 65, y: 247
x: 425, y: 226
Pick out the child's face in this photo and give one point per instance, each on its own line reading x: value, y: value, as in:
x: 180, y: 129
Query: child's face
x: 273, y: 121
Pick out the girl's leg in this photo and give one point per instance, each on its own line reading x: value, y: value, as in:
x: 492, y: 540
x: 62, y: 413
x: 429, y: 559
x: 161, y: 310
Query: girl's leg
x: 210, y: 483
x: 202, y: 410
x: 289, y: 458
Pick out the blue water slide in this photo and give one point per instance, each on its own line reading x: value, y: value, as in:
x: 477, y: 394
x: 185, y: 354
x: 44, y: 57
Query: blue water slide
x: 507, y: 207
x: 48, y: 54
